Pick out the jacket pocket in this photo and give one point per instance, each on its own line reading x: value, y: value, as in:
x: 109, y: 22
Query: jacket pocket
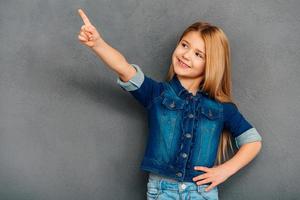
x: 210, y: 113
x: 172, y: 104
x: 170, y: 113
x: 207, y: 134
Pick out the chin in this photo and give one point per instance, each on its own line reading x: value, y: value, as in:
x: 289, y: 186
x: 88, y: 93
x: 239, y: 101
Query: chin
x: 180, y: 71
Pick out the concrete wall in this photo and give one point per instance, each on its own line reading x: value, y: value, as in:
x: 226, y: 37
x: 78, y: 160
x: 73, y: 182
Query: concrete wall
x: 68, y: 131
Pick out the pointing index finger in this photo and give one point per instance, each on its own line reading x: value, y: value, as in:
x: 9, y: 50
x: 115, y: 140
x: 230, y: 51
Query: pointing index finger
x: 85, y: 19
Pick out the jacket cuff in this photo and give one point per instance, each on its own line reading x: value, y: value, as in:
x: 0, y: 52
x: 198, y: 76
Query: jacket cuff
x: 135, y: 82
x: 248, y: 136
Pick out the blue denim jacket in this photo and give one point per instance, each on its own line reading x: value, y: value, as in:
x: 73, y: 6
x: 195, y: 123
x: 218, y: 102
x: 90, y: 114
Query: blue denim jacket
x: 184, y: 129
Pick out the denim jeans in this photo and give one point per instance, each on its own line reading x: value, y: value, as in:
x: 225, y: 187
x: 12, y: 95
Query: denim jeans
x: 163, y: 188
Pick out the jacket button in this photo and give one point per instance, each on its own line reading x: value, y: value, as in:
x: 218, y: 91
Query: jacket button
x: 183, y: 186
x: 191, y: 115
x: 184, y: 155
x: 172, y: 105
x: 188, y: 135
x: 179, y: 174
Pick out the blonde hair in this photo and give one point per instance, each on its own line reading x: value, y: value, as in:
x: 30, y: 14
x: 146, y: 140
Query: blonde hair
x: 217, y: 75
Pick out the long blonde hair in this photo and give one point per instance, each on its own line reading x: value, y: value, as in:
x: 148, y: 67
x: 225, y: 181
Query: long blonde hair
x: 217, y: 76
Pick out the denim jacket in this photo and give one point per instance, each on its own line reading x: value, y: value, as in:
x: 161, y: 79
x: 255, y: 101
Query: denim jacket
x: 184, y: 129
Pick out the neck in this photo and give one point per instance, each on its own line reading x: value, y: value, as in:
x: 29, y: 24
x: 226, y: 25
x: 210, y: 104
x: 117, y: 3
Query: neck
x: 190, y: 84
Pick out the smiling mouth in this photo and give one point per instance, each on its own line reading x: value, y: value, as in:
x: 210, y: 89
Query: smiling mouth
x: 183, y: 64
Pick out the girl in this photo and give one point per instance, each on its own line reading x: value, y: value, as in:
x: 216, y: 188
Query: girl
x: 192, y: 117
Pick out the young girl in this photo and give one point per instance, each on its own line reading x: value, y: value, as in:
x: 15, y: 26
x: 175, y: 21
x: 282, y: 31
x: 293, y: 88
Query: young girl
x: 191, y: 115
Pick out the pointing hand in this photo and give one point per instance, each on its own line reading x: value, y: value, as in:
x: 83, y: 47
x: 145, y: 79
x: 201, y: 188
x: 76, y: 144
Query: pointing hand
x: 88, y: 34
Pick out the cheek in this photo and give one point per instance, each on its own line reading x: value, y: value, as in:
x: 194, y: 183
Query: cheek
x: 174, y: 56
x: 178, y: 51
x: 200, y: 64
x: 200, y: 67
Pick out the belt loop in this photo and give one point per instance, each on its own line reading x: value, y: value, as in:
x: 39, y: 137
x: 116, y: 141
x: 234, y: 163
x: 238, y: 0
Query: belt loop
x: 155, y: 180
x: 198, y: 188
x: 159, y: 183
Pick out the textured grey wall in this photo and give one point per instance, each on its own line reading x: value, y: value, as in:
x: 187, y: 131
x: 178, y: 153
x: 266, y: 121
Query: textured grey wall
x: 68, y: 131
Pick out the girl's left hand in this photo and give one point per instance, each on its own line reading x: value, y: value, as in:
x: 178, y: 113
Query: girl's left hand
x: 215, y: 175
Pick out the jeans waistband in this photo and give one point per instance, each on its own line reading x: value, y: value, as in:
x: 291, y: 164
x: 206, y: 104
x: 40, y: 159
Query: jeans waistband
x: 158, y: 177
x: 166, y: 183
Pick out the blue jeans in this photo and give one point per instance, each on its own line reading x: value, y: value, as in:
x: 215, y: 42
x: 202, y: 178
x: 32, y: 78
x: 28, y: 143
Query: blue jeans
x: 163, y: 188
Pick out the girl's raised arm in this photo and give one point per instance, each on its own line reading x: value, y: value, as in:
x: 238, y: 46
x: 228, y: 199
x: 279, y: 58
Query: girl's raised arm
x: 90, y: 37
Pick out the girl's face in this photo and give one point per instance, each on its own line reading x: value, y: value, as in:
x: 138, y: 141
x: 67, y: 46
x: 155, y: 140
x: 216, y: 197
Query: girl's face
x: 188, y: 58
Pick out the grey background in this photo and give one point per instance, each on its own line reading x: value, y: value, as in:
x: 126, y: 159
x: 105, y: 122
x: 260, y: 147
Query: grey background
x: 68, y: 131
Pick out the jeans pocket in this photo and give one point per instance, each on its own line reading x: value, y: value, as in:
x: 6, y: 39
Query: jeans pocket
x: 152, y: 191
x: 210, y: 195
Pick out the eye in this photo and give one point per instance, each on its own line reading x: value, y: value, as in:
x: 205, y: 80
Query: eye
x: 199, y: 55
x: 182, y: 44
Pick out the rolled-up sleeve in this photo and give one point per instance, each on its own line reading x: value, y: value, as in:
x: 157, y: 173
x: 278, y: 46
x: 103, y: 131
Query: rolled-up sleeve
x: 135, y: 82
x: 242, y: 131
x: 143, y: 88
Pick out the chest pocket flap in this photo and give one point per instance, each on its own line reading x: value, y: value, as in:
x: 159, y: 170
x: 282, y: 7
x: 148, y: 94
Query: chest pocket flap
x: 210, y: 113
x: 172, y: 104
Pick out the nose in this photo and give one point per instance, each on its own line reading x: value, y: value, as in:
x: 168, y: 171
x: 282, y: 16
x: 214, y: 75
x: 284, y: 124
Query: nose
x: 186, y: 55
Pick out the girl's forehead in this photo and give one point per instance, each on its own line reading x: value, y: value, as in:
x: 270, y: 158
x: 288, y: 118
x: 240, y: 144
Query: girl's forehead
x: 194, y: 39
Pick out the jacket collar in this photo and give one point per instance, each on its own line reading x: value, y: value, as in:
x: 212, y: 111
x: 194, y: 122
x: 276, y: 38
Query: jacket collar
x: 181, y: 91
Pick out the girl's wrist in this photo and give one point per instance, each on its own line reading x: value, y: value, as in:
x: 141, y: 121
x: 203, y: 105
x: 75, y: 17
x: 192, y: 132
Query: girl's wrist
x: 231, y: 169
x: 98, y: 44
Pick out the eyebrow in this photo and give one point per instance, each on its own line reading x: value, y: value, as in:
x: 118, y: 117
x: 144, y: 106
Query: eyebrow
x: 189, y: 43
